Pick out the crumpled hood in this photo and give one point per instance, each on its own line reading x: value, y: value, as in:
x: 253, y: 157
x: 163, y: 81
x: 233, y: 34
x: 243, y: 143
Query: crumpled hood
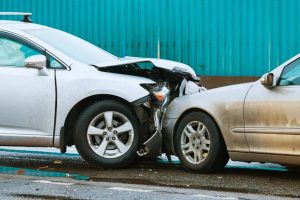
x: 161, y: 63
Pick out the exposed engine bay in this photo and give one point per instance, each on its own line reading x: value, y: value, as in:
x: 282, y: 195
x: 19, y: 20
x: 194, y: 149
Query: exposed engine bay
x: 170, y: 82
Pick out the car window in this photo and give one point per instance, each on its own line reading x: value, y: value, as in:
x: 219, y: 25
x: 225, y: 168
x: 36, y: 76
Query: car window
x: 72, y: 46
x: 291, y: 74
x: 13, y: 53
x: 55, y: 64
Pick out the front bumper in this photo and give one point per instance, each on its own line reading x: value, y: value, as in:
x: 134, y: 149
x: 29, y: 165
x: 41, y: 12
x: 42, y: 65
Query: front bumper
x: 168, y: 134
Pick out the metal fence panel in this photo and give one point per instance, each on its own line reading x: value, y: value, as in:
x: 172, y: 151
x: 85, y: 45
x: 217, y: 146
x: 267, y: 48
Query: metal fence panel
x: 215, y: 37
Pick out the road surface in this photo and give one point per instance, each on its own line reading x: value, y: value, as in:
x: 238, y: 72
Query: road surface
x: 46, y: 174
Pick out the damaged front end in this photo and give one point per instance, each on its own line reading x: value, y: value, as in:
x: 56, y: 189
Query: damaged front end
x: 172, y: 80
x: 158, y: 102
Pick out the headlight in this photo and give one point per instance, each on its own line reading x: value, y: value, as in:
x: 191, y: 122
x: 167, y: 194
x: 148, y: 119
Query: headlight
x: 158, y: 91
x: 161, y: 94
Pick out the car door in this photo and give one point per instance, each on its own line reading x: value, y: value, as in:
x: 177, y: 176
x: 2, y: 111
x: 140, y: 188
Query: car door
x: 272, y: 115
x: 27, y: 101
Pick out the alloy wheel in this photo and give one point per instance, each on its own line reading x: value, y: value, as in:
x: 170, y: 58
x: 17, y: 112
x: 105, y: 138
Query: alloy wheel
x: 110, y: 134
x: 195, y: 142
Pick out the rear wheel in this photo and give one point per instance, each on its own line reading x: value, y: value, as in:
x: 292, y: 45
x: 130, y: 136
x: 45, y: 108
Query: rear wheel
x: 107, y: 134
x: 198, y: 143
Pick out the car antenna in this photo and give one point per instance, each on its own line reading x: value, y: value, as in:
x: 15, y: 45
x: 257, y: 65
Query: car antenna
x: 26, y: 16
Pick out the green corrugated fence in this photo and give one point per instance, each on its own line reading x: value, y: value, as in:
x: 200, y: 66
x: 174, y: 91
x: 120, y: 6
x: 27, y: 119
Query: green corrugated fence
x: 215, y: 37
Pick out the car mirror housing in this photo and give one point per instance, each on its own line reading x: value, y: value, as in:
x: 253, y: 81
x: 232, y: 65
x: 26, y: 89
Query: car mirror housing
x: 268, y: 80
x: 36, y: 62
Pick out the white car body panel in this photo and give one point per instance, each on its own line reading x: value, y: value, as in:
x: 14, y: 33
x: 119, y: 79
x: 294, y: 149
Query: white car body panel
x: 36, y: 116
x: 37, y: 111
x: 80, y: 83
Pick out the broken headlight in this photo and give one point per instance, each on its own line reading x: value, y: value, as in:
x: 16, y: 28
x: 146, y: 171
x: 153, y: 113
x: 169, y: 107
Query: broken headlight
x: 159, y: 92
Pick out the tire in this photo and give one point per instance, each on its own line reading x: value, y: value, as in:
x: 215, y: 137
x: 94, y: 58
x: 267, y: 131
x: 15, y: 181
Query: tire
x: 204, y: 139
x: 107, y: 134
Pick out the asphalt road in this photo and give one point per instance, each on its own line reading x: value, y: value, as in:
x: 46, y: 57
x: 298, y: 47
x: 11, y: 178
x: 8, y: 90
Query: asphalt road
x: 22, y: 171
x: 63, y: 189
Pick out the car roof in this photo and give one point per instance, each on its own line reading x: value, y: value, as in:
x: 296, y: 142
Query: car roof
x: 19, y: 25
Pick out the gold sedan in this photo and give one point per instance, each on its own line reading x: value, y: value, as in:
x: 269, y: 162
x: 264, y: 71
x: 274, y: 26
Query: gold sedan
x: 257, y: 121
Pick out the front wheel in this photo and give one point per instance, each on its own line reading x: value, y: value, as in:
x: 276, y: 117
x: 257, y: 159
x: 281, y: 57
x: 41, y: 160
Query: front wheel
x: 198, y: 143
x: 107, y: 134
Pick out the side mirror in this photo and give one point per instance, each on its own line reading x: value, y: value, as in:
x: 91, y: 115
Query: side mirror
x: 268, y: 80
x: 36, y: 62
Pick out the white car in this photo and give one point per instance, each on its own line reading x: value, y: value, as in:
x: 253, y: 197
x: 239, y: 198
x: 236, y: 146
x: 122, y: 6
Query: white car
x: 58, y: 90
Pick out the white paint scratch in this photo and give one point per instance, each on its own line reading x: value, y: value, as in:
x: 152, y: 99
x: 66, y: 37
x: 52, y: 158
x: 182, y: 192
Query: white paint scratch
x: 215, y: 197
x: 129, y: 189
x: 53, y: 183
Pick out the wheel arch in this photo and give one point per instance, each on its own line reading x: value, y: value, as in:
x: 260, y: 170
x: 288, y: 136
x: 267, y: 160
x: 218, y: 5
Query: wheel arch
x: 198, y: 110
x: 66, y: 138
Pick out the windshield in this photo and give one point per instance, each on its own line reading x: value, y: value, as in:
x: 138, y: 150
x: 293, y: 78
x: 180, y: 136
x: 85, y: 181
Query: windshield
x: 72, y: 46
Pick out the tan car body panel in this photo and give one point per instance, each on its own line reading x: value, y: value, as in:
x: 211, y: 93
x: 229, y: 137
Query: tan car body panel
x: 257, y: 123
x: 272, y: 119
x: 222, y: 103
